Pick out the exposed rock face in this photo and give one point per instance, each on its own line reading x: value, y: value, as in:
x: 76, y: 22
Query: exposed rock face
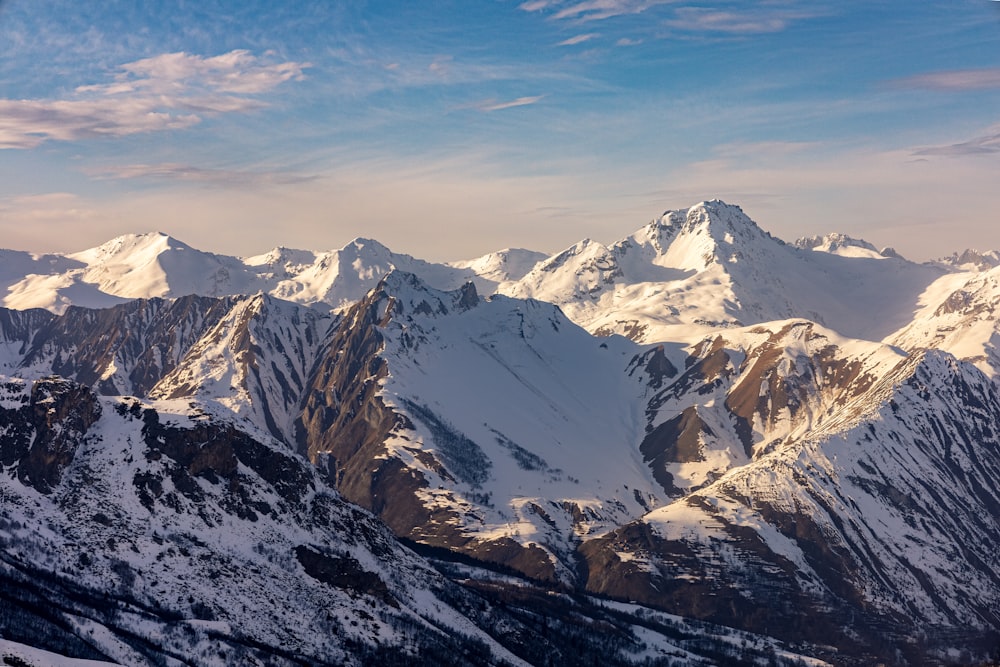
x: 215, y: 453
x: 676, y: 440
x: 126, y: 349
x: 345, y: 422
x: 18, y: 326
x: 181, y: 348
x: 342, y: 415
x: 843, y: 525
x: 56, y: 420
x: 255, y: 360
x: 152, y: 545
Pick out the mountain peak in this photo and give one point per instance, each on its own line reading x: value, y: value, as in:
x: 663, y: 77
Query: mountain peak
x: 840, y: 244
x: 716, y: 216
x: 366, y: 246
x: 149, y: 243
x: 282, y: 257
x: 694, y: 238
x: 972, y: 260
x: 410, y: 295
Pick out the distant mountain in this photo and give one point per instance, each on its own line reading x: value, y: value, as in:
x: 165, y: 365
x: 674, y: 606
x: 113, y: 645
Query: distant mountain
x: 844, y: 245
x: 684, y: 274
x: 696, y: 270
x: 157, y: 265
x: 972, y: 260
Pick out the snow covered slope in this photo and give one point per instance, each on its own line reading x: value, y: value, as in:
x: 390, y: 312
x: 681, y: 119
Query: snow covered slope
x: 496, y: 427
x: 156, y: 265
x: 151, y: 533
x: 696, y: 270
x: 958, y: 314
x: 501, y: 266
x: 878, y: 521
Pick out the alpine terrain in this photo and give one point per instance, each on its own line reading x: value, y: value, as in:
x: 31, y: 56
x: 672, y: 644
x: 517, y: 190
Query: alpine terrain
x: 699, y: 445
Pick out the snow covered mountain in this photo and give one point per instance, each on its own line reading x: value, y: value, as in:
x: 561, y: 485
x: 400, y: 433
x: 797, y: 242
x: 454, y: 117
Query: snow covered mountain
x: 156, y: 265
x: 696, y: 270
x: 851, y: 511
x: 798, y: 441
x: 151, y: 532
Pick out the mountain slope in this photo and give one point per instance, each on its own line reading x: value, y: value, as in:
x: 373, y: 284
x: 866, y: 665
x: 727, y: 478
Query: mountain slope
x: 156, y: 265
x: 149, y: 533
x: 709, y: 266
x: 881, y: 520
x: 495, y: 427
x: 208, y: 523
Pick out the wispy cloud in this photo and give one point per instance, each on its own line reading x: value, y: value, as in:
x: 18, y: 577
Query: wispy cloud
x: 596, y: 10
x: 169, y: 171
x: 986, y: 144
x: 760, y: 17
x: 578, y: 39
x: 29, y: 123
x: 750, y: 22
x: 48, y: 207
x: 166, y: 92
x: 537, y: 5
x: 493, y: 105
x: 763, y: 149
x: 953, y: 80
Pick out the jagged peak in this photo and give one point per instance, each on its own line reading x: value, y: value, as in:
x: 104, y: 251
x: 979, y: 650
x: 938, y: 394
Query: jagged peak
x: 715, y: 215
x: 409, y: 295
x: 831, y: 242
x: 584, y: 247
x: 714, y: 221
x: 837, y: 243
x: 972, y: 259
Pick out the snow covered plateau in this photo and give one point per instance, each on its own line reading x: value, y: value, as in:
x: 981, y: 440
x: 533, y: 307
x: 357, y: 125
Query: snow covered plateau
x: 700, y: 445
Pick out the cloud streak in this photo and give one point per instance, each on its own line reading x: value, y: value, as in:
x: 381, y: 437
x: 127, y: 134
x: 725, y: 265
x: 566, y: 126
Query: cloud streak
x: 167, y: 92
x: 697, y: 19
x: 986, y: 144
x: 169, y: 171
x: 953, y: 80
x: 579, y: 39
x: 493, y: 105
x: 598, y: 10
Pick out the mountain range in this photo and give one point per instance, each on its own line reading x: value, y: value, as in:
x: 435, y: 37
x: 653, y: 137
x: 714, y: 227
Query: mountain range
x: 698, y: 445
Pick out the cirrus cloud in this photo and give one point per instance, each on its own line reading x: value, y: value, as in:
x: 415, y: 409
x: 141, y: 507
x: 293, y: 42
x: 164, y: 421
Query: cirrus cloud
x: 596, y: 10
x: 578, y: 39
x: 170, y: 171
x: 493, y: 105
x: 743, y: 22
x: 167, y: 92
x: 953, y: 80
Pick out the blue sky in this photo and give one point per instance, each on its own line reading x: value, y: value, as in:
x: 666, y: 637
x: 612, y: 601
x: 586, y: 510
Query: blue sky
x: 450, y: 129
